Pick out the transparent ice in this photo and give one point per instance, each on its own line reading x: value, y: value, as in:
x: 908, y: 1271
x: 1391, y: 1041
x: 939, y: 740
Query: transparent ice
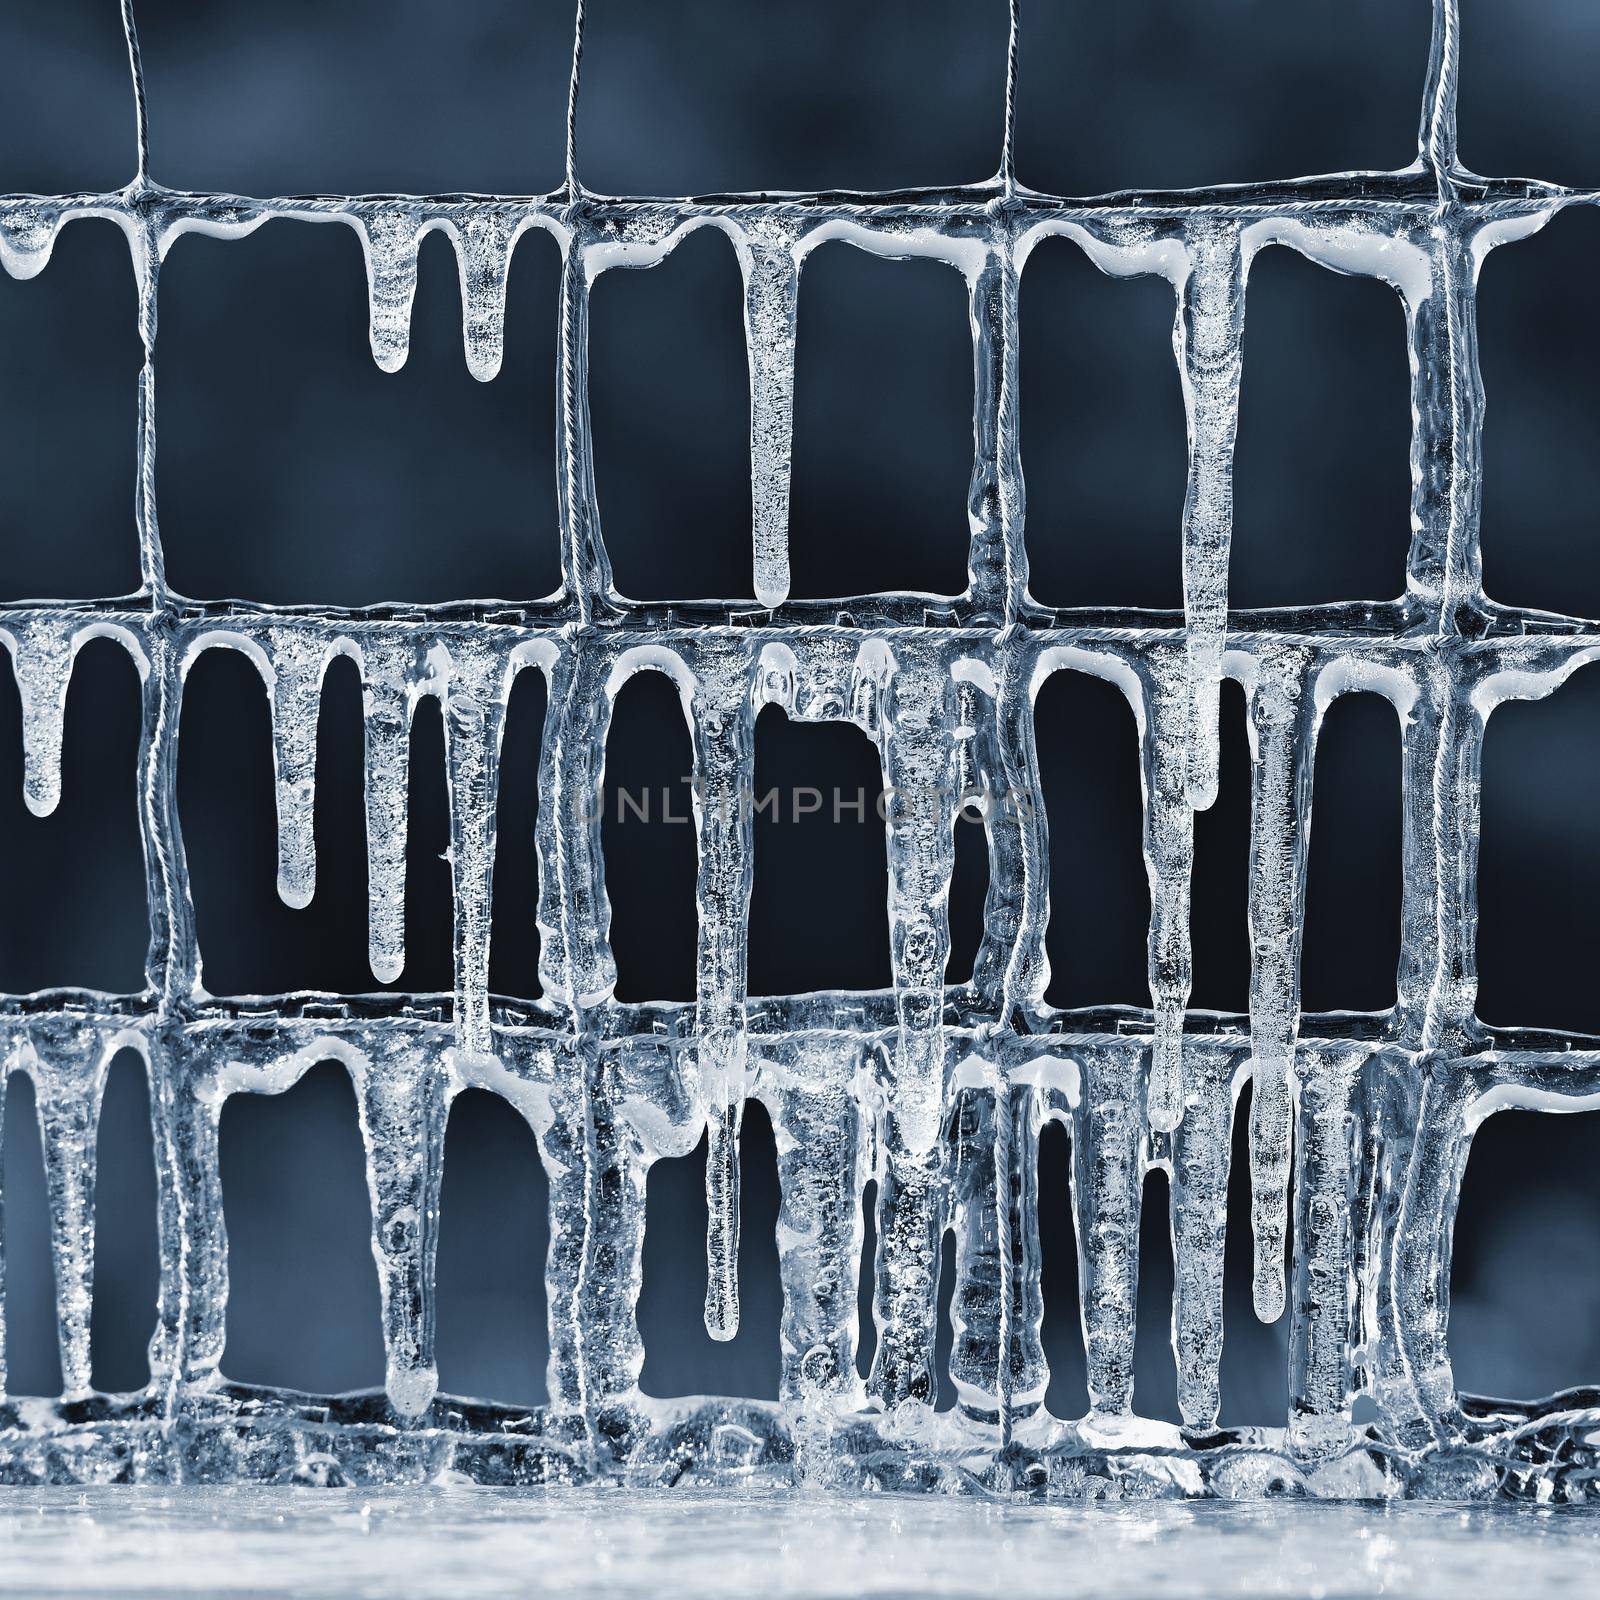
x: 936, y: 1092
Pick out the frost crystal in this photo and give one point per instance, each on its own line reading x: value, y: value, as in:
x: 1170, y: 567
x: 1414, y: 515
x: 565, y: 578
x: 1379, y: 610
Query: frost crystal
x: 936, y: 1092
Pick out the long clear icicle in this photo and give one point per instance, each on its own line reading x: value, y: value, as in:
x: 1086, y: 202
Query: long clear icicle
x: 475, y: 683
x: 1282, y: 730
x: 771, y: 303
x: 1108, y: 1160
x: 1208, y: 340
x: 1201, y: 1148
x: 919, y: 768
x: 67, y: 1063
x: 298, y: 663
x: 723, y: 716
x: 818, y: 1129
x: 403, y: 1106
x: 1169, y: 857
x: 388, y: 699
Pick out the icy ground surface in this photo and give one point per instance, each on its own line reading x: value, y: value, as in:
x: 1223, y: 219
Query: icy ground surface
x: 467, y: 1542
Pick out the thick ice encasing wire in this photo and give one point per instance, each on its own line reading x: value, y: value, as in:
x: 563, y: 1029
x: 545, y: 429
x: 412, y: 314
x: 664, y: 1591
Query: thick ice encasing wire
x: 936, y: 1092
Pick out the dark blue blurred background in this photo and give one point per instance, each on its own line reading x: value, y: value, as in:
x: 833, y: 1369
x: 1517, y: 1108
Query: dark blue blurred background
x: 292, y: 470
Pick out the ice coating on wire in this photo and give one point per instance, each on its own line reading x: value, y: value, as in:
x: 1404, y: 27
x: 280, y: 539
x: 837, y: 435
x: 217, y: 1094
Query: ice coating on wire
x: 935, y: 1094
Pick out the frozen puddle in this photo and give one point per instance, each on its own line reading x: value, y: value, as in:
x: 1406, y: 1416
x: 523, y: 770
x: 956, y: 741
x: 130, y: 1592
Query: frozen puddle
x: 462, y: 1543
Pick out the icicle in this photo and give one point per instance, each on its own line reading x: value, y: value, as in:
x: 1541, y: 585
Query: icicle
x: 912, y: 1210
x: 42, y: 653
x: 192, y: 1297
x: 1108, y: 1145
x: 1282, y: 735
x: 1169, y: 856
x: 997, y: 1363
x: 908, y: 705
x: 1006, y: 1147
x: 576, y: 966
x: 475, y: 686
x: 388, y: 698
x: 1201, y: 1149
x: 771, y: 299
x: 1271, y: 1136
x: 1207, y: 337
x: 997, y: 560
x: 919, y: 765
x: 1327, y: 1158
x: 981, y: 790
x: 390, y: 239
x: 67, y: 1065
x: 597, y: 1172
x: 483, y: 254
x: 723, y: 722
x: 1018, y: 909
x: 722, y: 1216
x: 403, y: 1106
x: 27, y: 236
x: 299, y: 660
x: 1419, y: 1391
x: 817, y: 1128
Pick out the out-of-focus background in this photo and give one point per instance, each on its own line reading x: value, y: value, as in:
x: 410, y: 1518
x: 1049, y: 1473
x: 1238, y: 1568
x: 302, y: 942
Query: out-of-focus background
x: 291, y: 469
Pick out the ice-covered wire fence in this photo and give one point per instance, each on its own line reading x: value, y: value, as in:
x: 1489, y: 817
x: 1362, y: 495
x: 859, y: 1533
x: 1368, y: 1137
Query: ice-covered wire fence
x: 936, y: 1091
